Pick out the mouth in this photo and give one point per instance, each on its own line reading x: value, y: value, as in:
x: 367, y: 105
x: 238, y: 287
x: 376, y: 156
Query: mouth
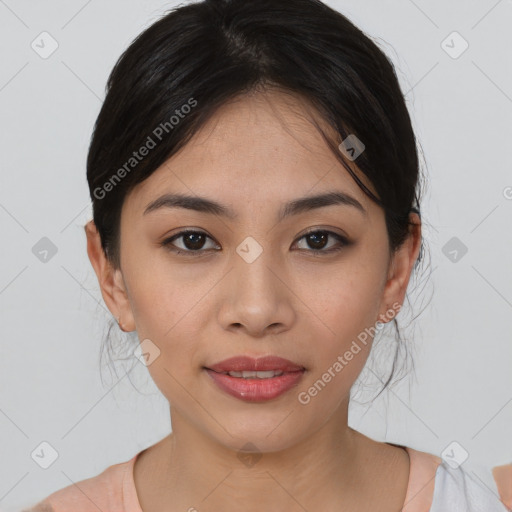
x: 253, y: 374
x: 249, y: 367
x: 255, y: 380
x: 255, y: 388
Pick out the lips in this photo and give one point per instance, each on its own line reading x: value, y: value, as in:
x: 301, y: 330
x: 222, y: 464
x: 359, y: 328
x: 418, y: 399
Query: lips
x: 255, y: 389
x: 246, y: 363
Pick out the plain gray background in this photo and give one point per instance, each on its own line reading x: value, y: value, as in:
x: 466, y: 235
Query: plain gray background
x: 52, y: 314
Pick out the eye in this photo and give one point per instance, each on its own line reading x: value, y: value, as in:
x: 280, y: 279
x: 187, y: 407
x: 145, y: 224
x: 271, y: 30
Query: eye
x: 317, y: 239
x: 193, y: 242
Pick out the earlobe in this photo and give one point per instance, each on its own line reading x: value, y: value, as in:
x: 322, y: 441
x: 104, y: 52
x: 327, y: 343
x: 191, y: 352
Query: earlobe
x: 125, y: 318
x: 110, y: 280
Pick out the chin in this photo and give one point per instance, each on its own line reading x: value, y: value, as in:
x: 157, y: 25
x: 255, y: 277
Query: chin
x: 260, y: 436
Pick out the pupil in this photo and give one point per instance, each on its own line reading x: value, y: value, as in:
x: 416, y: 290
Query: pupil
x: 318, y: 235
x: 190, y: 243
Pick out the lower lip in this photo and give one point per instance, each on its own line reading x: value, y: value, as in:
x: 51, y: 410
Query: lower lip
x: 256, y: 390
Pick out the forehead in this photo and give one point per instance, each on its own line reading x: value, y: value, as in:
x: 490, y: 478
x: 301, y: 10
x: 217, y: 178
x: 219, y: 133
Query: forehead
x: 261, y: 148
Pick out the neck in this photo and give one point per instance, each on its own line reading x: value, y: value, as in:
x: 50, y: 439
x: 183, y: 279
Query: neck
x: 196, y: 470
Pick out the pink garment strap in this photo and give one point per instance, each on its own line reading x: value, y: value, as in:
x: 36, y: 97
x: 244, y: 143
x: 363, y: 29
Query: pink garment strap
x: 503, y: 478
x: 101, y: 492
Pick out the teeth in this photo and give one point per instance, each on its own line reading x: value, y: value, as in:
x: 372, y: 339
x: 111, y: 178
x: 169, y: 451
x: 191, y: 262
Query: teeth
x: 258, y: 375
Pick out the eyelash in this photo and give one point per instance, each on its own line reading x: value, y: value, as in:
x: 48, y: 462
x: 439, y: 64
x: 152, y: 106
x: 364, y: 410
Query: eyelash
x: 167, y: 243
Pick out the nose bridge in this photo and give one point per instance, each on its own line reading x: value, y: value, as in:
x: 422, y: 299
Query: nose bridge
x: 254, y: 272
x: 257, y: 298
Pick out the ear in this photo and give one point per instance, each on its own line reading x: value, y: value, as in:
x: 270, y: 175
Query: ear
x: 113, y: 288
x: 400, y: 268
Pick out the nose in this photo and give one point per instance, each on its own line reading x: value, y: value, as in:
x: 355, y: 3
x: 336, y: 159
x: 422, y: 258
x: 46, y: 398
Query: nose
x: 258, y: 299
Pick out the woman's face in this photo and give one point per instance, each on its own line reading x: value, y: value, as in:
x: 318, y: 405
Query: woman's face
x: 252, y: 283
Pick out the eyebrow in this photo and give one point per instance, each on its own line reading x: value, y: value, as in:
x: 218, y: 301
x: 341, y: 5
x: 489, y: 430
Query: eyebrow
x: 301, y: 205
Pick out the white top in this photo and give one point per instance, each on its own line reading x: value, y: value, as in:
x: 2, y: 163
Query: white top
x: 456, y: 490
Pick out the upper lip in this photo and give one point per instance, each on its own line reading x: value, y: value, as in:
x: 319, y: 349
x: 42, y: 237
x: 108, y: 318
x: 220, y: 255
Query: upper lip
x: 246, y: 363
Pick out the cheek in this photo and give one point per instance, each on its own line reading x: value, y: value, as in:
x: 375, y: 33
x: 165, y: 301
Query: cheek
x: 163, y: 295
x: 168, y: 304
x: 343, y: 308
x: 341, y: 351
x: 167, y: 313
x: 345, y: 299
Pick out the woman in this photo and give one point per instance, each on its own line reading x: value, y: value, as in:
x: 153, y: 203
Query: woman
x: 254, y: 178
